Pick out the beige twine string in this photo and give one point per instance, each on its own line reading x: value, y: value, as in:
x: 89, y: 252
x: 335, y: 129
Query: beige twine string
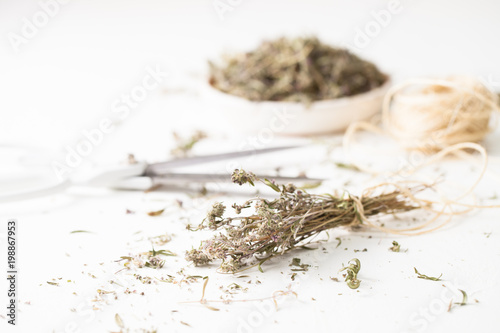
x: 439, y: 114
x: 438, y: 117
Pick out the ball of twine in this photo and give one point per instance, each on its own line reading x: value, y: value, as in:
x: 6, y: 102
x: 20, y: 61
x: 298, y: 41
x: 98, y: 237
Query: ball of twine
x: 432, y: 114
x: 438, y: 117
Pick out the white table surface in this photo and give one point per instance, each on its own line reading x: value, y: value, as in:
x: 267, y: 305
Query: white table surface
x: 66, y: 79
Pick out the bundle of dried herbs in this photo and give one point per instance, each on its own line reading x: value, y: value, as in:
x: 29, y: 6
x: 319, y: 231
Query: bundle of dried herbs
x: 279, y: 225
x: 298, y: 69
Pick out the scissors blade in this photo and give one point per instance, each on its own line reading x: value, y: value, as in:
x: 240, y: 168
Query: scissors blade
x: 158, y: 169
x: 173, y: 178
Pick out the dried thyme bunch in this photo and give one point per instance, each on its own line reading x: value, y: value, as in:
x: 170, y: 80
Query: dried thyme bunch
x: 279, y: 225
x: 298, y: 70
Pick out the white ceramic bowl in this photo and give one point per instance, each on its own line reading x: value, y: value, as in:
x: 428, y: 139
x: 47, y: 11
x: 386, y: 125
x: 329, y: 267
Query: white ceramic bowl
x: 292, y: 118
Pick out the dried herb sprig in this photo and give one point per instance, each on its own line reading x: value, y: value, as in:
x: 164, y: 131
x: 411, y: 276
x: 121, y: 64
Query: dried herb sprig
x: 352, y: 273
x: 295, y: 69
x: 425, y: 277
x: 279, y: 225
x: 185, y: 145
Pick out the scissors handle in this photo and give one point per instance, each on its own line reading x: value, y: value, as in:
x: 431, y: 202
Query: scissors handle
x: 35, y: 193
x: 110, y: 175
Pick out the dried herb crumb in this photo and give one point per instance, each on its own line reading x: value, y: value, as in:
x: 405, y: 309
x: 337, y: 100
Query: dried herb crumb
x: 185, y: 145
x: 395, y: 247
x: 352, y: 270
x: 425, y: 277
x: 464, y: 298
x: 156, y: 213
x: 347, y: 166
x: 81, y: 231
x: 119, y: 321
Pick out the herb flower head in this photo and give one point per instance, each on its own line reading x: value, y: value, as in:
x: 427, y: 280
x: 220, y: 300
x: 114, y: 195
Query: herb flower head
x: 214, y: 215
x: 241, y: 177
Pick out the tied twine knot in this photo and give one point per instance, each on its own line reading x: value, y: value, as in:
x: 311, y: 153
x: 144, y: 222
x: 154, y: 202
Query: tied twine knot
x: 359, y: 212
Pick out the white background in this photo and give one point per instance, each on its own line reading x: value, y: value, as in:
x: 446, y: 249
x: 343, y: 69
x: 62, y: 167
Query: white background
x: 66, y: 78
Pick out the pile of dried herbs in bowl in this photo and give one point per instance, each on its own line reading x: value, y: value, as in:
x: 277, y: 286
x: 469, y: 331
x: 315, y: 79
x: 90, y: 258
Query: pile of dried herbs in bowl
x: 294, y: 217
x: 295, y: 70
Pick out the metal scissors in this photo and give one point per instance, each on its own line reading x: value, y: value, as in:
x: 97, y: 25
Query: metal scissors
x: 143, y: 176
